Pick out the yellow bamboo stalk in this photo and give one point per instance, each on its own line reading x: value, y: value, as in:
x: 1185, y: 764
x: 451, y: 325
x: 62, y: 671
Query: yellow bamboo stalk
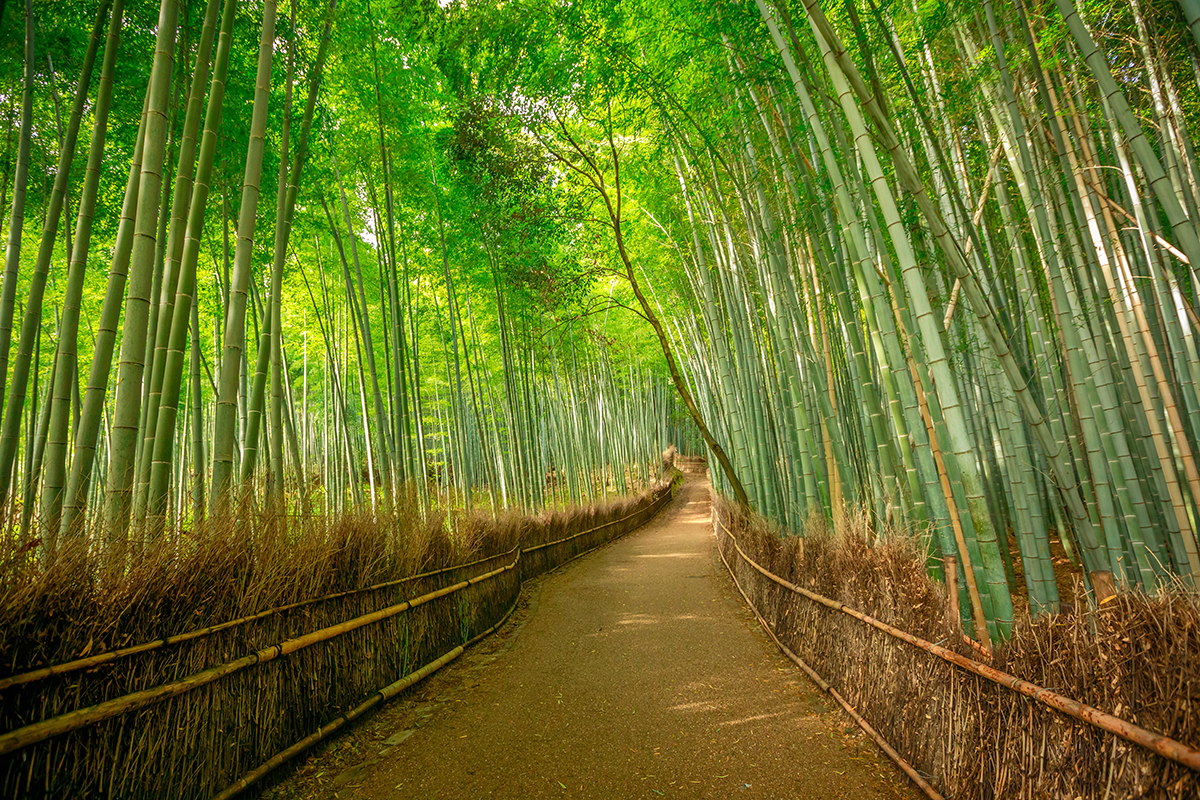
x: 959, y: 538
x: 1120, y: 209
x: 835, y: 485
x: 978, y: 215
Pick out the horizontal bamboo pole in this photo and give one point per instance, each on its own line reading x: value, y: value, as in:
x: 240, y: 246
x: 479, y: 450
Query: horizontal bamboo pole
x: 387, y: 692
x: 112, y: 655
x: 64, y: 723
x: 124, y: 652
x: 252, y: 777
x: 1167, y: 748
x: 826, y: 687
x: 73, y: 720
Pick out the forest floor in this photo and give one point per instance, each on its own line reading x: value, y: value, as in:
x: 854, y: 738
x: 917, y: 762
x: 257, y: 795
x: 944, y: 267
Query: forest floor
x: 634, y: 672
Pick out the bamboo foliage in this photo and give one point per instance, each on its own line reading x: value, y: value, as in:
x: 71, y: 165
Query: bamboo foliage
x: 193, y: 424
x: 914, y: 265
x: 840, y: 204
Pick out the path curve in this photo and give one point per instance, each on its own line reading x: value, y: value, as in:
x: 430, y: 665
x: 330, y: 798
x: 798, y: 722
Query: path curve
x: 635, y: 672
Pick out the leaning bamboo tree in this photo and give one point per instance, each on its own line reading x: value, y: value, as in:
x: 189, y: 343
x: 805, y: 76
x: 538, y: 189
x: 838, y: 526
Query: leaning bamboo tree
x: 610, y: 194
x: 1182, y: 226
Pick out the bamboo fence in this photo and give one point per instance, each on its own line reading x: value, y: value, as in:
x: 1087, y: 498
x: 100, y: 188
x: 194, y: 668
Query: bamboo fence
x: 968, y: 728
x: 210, y: 711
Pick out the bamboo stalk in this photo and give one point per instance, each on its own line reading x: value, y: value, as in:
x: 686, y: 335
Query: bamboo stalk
x: 12, y: 251
x: 235, y: 315
x: 35, y: 293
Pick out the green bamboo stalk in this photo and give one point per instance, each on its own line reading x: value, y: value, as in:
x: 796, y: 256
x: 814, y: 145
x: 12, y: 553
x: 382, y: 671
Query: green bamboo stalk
x: 124, y: 438
x: 163, y: 311
x: 16, y: 224
x: 910, y: 180
x: 15, y: 397
x: 235, y: 313
x: 174, y: 340
x: 363, y: 322
x: 197, y: 412
x: 275, y: 484
x: 285, y: 211
x: 93, y: 412
x: 66, y: 371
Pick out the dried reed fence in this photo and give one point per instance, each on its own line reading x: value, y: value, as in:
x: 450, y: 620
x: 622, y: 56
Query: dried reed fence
x: 1135, y: 658
x: 216, y: 658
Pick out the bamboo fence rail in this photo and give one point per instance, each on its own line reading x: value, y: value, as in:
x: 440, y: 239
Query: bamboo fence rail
x: 424, y: 672
x: 826, y: 687
x: 123, y: 652
x: 15, y: 740
x: 30, y: 734
x: 103, y: 658
x: 387, y: 692
x: 1162, y: 745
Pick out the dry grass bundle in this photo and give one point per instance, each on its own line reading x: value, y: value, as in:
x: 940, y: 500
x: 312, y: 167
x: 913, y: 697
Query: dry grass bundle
x: 279, y: 582
x: 555, y: 537
x: 1135, y: 658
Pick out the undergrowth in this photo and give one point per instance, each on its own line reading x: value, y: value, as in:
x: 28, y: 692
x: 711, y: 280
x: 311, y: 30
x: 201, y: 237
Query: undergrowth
x: 1135, y: 657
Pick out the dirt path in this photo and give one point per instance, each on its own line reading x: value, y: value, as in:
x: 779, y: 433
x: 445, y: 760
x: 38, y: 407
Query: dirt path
x: 634, y: 672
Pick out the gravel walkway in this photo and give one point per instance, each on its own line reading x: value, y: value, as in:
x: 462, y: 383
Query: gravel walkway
x: 633, y: 672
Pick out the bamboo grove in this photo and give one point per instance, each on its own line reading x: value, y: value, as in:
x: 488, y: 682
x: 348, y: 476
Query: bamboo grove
x: 933, y: 262
x: 941, y: 266
x: 289, y: 274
